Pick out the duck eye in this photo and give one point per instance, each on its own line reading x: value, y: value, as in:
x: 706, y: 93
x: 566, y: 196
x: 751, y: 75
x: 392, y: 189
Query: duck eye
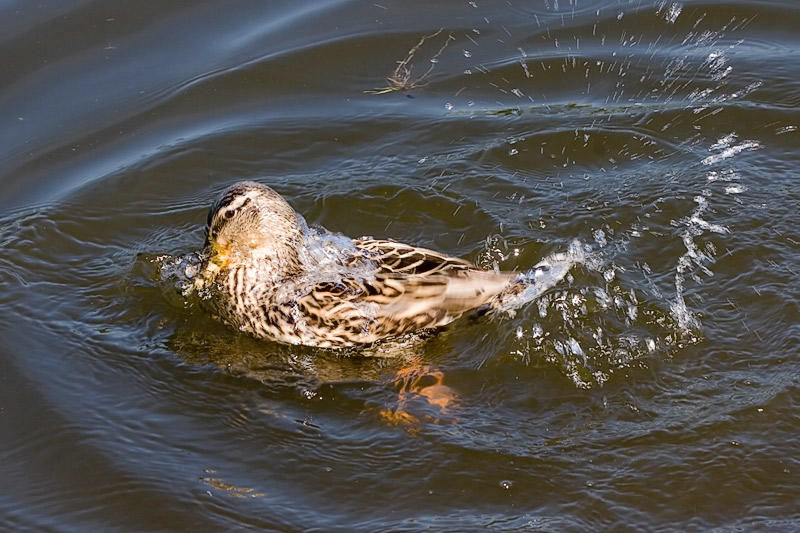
x: 229, y: 213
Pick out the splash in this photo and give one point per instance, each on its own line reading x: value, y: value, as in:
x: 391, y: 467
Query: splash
x: 177, y: 274
x: 697, y: 260
x: 593, y: 330
x: 600, y: 322
x: 612, y: 317
x: 693, y: 258
x: 332, y: 256
x: 669, y: 11
x: 727, y: 149
x: 545, y: 275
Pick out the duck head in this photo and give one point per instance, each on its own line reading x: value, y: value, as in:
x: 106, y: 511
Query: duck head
x: 250, y: 224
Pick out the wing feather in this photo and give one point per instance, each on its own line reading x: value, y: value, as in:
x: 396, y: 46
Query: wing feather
x: 412, y: 288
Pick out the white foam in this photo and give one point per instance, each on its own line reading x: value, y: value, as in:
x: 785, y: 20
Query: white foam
x: 545, y: 275
x: 328, y: 256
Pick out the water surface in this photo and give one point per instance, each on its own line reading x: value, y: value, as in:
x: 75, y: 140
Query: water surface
x: 656, y: 387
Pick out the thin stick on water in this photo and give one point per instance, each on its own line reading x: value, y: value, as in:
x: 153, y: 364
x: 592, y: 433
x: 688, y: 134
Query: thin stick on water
x: 400, y: 80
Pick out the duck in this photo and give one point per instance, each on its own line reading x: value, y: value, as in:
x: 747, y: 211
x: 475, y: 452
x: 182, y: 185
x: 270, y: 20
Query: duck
x: 268, y: 274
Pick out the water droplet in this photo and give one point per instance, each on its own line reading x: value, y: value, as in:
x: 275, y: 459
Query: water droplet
x: 672, y: 13
x: 574, y: 347
x: 600, y: 237
x: 448, y: 106
x: 513, y: 151
x: 506, y: 484
x: 467, y: 53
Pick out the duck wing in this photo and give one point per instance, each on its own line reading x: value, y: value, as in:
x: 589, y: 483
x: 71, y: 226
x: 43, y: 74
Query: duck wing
x: 412, y: 288
x: 396, y: 257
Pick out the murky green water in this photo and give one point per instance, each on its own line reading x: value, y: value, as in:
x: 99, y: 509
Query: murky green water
x: 656, y: 388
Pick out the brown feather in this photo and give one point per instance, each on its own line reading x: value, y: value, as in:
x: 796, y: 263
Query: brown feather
x: 255, y: 279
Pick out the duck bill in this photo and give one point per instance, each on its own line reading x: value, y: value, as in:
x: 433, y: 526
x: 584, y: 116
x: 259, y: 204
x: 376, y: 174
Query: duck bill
x: 217, y: 258
x: 218, y: 254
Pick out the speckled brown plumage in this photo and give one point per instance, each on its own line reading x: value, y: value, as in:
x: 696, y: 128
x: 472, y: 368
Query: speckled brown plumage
x: 267, y: 274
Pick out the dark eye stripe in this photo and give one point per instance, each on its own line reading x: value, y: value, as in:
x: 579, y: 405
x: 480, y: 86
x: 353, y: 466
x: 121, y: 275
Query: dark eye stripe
x: 230, y: 197
x: 241, y: 203
x: 226, y: 203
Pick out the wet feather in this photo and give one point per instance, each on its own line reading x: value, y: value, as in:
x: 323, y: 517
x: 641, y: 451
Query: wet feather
x: 269, y: 275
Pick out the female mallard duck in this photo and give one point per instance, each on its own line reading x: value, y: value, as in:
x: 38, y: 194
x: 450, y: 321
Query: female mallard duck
x: 268, y: 274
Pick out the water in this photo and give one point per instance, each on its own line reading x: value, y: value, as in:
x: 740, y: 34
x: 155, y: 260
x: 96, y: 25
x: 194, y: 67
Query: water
x: 655, y: 387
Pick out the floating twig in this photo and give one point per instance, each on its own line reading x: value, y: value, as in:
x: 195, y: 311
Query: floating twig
x: 400, y: 80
